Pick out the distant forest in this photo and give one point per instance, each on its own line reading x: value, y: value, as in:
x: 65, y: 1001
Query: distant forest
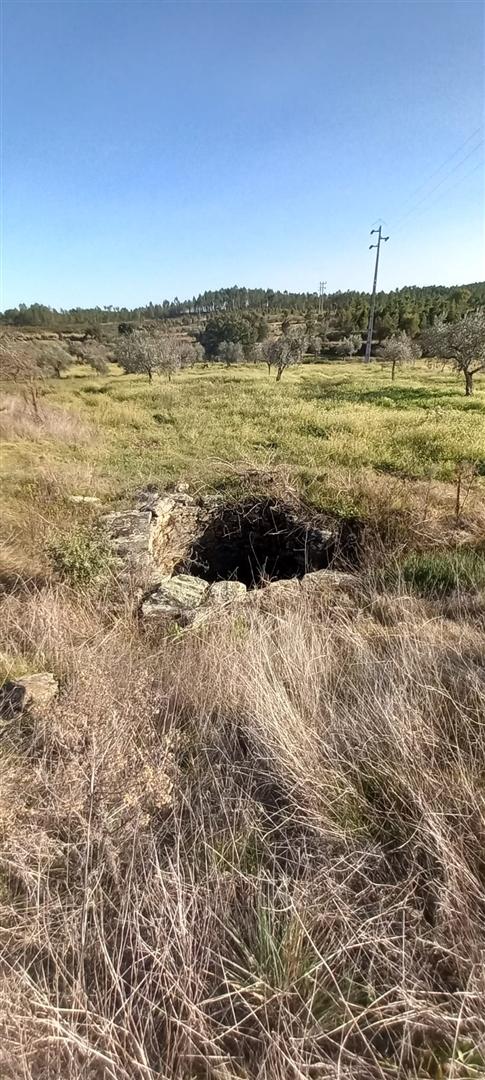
x: 411, y: 308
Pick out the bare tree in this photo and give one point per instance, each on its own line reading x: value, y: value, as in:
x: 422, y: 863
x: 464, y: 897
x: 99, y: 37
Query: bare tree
x: 398, y: 349
x: 462, y: 342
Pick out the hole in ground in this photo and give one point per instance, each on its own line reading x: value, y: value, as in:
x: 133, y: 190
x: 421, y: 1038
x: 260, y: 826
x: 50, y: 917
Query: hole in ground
x: 259, y: 542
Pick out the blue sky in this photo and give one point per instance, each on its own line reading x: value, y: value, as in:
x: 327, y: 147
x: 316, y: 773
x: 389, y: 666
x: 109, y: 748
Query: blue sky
x: 154, y: 149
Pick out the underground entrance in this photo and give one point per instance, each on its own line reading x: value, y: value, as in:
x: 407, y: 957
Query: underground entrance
x: 257, y: 542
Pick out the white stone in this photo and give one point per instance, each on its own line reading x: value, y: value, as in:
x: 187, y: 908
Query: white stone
x: 226, y: 592
x: 83, y: 498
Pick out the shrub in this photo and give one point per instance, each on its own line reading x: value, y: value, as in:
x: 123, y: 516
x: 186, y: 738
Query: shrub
x: 81, y: 558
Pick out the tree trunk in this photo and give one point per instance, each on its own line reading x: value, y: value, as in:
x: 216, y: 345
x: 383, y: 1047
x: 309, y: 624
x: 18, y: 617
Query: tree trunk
x: 279, y: 374
x: 393, y: 370
x: 34, y: 397
x: 149, y: 376
x: 269, y: 369
x: 468, y: 383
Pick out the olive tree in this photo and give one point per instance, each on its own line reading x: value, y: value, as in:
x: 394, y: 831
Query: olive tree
x: 230, y: 352
x: 91, y: 353
x: 462, y: 342
x: 147, y: 354
x: 54, y: 359
x: 314, y: 345
x: 351, y: 344
x: 191, y: 353
x: 287, y: 350
x: 270, y: 354
x: 434, y: 340
x: 398, y: 349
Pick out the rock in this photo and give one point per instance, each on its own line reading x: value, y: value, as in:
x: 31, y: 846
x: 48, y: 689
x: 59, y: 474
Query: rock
x: 176, y: 599
x: 28, y: 692
x: 159, y: 505
x: 131, y: 536
x: 226, y: 592
x: 188, y: 600
x: 83, y: 499
x: 323, y: 578
x: 155, y: 537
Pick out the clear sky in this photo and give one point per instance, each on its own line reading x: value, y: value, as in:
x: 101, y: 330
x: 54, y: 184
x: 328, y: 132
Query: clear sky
x: 154, y: 149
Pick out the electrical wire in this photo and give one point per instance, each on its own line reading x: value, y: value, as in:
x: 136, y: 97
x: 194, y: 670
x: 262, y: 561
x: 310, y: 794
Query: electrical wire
x: 458, y: 165
x: 435, y: 172
x: 461, y: 180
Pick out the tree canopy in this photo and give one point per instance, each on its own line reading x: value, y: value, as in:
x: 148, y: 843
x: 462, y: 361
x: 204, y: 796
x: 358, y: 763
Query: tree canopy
x: 411, y: 309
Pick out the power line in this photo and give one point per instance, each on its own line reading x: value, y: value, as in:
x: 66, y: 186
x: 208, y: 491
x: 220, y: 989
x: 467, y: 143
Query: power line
x: 435, y: 172
x: 443, y: 194
x: 438, y: 185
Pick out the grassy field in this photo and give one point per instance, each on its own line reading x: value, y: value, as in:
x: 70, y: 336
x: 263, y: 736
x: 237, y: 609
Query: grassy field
x: 344, y: 432
x: 252, y: 851
x: 349, y: 415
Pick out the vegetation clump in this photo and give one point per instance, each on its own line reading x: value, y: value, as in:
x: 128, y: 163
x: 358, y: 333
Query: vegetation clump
x: 81, y: 558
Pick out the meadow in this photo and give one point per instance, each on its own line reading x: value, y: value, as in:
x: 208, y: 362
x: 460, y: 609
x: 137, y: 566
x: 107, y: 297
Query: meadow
x: 252, y: 851
x: 343, y: 432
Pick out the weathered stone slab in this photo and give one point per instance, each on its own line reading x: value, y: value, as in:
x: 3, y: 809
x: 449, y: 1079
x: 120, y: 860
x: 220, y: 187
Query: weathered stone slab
x: 176, y: 598
x: 325, y: 578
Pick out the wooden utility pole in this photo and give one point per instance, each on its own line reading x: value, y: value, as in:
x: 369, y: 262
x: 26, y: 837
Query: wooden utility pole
x: 370, y: 329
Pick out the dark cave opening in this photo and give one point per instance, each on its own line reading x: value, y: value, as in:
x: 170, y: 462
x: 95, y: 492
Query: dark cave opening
x: 257, y: 542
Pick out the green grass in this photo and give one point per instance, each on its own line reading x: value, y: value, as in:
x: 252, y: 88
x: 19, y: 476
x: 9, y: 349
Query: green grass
x: 321, y: 420
x: 440, y: 573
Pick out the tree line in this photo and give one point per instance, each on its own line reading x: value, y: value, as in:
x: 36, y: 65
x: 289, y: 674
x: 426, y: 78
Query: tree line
x: 410, y: 309
x: 233, y: 339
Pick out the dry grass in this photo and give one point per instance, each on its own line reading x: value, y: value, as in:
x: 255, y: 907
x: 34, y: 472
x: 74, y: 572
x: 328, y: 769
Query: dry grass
x: 252, y: 853
x: 19, y: 420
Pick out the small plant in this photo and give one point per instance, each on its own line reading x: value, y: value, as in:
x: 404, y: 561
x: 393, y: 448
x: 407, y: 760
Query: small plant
x: 80, y: 558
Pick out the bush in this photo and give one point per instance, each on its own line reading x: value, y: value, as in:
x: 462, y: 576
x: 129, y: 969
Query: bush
x: 80, y: 558
x: 441, y: 572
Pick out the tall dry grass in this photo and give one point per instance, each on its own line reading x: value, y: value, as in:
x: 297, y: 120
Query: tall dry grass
x: 256, y: 852
x: 20, y: 420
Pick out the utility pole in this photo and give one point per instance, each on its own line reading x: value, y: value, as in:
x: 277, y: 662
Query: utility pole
x: 321, y: 295
x: 370, y: 329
